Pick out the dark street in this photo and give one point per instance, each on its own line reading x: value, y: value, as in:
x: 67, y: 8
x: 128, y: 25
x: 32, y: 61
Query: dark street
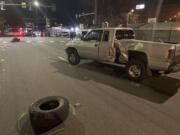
x: 110, y: 104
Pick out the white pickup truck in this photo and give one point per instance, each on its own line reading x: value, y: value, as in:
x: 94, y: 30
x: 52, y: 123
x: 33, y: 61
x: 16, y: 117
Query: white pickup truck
x: 117, y: 46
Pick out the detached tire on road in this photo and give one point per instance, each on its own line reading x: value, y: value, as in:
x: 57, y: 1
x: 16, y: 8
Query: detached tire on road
x: 15, y: 39
x: 73, y: 57
x: 47, y: 113
x: 136, y: 70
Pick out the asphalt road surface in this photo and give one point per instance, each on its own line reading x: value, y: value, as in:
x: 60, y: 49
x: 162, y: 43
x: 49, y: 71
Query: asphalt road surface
x: 106, y: 103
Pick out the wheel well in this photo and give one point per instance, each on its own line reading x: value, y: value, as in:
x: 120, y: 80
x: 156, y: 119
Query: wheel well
x: 70, y: 49
x: 135, y: 55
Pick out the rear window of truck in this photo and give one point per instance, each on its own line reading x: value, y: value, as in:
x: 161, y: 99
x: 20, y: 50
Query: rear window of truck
x: 124, y: 34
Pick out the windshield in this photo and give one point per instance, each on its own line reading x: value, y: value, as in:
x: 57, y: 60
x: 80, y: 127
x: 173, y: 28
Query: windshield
x: 89, y: 67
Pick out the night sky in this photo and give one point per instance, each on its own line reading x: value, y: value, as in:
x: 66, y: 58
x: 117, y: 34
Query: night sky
x: 66, y: 9
x: 65, y: 13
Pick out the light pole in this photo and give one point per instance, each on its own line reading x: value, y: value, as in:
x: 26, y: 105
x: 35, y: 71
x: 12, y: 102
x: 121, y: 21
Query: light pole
x: 36, y: 3
x: 128, y: 16
x: 95, y: 12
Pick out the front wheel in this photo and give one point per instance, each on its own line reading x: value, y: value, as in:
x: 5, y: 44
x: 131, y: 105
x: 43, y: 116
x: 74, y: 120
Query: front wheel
x: 136, y: 70
x: 73, y: 58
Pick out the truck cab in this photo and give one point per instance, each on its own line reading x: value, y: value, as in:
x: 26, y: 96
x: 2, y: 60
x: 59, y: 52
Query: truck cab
x: 98, y: 43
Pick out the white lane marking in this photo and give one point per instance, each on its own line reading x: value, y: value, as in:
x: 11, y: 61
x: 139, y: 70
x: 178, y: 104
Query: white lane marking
x: 5, y: 42
x: 28, y: 41
x: 2, y: 60
x: 51, y: 41
x: 63, y: 59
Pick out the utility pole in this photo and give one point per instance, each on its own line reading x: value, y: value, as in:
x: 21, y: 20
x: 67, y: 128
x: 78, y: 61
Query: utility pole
x: 95, y: 12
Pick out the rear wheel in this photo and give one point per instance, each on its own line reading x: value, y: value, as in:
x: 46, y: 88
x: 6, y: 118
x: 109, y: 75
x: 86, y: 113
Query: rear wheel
x: 73, y: 57
x: 136, y: 70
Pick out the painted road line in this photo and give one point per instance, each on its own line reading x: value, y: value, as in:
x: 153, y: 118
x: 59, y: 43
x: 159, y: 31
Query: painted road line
x: 63, y: 59
x: 5, y: 42
x: 2, y: 60
x: 28, y: 41
x: 51, y: 41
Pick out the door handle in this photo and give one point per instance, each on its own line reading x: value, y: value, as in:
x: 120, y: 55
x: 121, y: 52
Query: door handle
x: 96, y: 45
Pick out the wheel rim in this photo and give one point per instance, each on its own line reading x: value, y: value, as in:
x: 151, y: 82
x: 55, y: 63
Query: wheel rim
x: 72, y: 58
x: 134, y: 71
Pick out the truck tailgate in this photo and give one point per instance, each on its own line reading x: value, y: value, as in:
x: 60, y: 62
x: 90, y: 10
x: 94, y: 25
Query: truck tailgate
x: 177, y: 54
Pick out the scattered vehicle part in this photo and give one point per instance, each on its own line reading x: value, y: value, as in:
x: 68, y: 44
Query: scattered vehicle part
x: 15, y: 39
x: 47, y: 113
x: 77, y: 104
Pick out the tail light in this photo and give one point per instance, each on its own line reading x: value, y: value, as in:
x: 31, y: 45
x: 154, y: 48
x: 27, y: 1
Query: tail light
x: 171, y: 54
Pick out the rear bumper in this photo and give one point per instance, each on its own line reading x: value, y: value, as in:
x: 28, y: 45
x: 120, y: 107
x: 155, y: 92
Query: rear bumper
x: 173, y: 68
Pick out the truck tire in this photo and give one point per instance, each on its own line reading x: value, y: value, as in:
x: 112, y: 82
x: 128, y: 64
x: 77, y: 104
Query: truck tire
x: 47, y: 113
x: 136, y: 70
x: 73, y: 57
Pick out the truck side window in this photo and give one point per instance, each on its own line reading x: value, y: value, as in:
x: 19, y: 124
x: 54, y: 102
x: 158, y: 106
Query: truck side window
x: 124, y: 34
x: 106, y: 36
x: 94, y: 35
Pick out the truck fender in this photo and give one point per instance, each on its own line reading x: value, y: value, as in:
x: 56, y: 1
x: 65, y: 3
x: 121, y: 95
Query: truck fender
x: 138, y: 56
x: 70, y: 49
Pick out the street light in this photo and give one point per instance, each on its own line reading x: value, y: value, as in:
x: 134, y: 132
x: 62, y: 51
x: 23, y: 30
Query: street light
x: 36, y: 3
x: 132, y: 10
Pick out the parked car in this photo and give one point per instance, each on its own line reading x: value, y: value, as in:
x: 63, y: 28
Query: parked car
x: 37, y: 33
x: 137, y: 56
x: 28, y: 32
x: 14, y: 32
